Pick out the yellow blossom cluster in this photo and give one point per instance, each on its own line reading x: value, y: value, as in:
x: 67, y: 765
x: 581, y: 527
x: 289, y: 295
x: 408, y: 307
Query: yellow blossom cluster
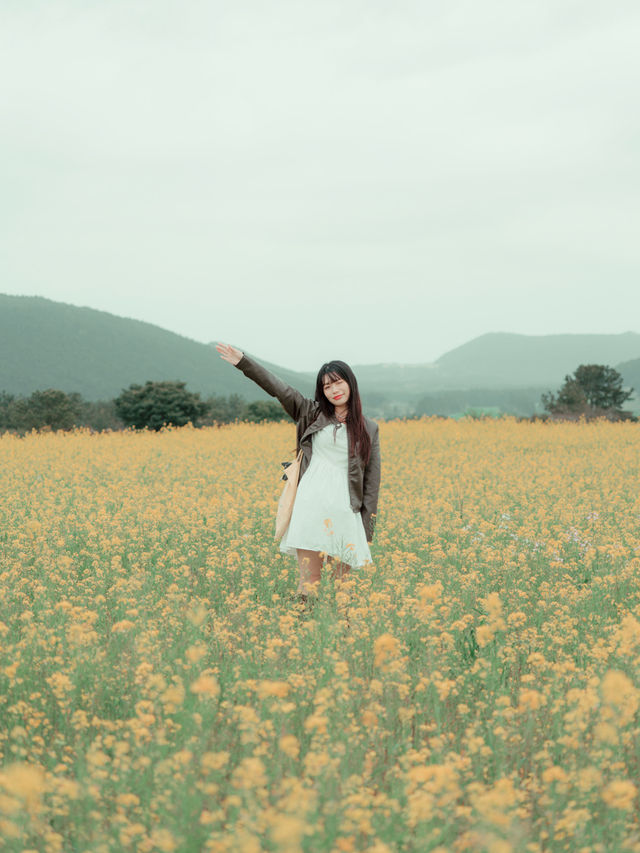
x: 476, y: 688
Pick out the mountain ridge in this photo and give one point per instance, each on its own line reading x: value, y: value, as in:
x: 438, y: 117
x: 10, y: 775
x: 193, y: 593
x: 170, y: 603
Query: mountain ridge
x: 49, y: 344
x: 534, y: 358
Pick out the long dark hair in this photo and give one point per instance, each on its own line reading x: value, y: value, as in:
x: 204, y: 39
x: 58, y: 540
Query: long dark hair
x: 361, y: 443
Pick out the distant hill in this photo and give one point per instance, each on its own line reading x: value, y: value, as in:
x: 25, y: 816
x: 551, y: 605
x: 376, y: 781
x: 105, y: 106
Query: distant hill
x: 501, y: 360
x: 388, y: 379
x: 49, y: 344
x: 630, y: 371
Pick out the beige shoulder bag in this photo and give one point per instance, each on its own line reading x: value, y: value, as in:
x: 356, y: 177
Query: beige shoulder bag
x: 288, y: 496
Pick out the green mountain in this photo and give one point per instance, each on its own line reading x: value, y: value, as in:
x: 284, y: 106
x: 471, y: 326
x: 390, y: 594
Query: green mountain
x: 49, y: 344
x: 501, y: 360
x: 630, y: 371
x: 388, y: 379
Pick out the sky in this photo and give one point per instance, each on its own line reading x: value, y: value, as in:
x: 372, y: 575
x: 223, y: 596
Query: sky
x: 376, y: 182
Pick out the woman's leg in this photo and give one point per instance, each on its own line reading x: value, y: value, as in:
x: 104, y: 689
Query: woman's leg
x: 339, y: 569
x: 310, y: 565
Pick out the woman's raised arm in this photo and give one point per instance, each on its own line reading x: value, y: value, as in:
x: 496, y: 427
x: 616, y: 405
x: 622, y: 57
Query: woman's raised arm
x: 291, y: 400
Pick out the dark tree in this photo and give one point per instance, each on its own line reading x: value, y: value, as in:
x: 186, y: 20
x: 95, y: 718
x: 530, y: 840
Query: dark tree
x: 570, y: 398
x: 602, y: 386
x: 592, y: 390
x: 265, y: 410
x: 7, y: 402
x: 100, y: 415
x: 236, y: 407
x: 51, y: 408
x: 158, y: 404
x: 225, y: 410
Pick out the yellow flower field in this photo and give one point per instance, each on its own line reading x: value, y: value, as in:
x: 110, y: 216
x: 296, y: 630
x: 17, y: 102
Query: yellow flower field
x: 475, y: 689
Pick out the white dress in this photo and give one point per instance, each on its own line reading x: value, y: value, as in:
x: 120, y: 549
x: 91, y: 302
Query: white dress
x: 322, y: 518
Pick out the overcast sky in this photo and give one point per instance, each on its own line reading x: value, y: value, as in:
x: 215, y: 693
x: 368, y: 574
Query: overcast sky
x: 325, y: 178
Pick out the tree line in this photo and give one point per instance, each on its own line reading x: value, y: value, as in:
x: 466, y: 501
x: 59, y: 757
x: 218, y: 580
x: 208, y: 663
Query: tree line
x: 151, y: 406
x: 593, y: 391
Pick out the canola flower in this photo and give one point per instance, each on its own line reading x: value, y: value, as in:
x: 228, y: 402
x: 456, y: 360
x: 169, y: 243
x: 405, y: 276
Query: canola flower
x: 476, y: 689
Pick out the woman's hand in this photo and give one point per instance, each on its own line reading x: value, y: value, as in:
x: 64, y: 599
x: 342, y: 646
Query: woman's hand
x: 229, y: 353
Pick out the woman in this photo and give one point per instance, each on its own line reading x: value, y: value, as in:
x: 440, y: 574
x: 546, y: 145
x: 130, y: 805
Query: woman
x: 337, y: 498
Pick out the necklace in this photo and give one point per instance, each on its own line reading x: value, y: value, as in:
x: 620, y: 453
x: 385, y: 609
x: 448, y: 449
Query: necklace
x: 336, y: 426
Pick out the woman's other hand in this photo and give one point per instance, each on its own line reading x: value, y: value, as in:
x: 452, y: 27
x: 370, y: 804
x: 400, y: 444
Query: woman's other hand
x: 229, y: 353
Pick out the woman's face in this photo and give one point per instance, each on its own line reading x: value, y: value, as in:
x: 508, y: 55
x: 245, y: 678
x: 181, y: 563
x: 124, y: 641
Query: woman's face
x: 336, y: 390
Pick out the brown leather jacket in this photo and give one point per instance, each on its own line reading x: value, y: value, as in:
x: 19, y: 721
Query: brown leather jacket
x: 364, y: 481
